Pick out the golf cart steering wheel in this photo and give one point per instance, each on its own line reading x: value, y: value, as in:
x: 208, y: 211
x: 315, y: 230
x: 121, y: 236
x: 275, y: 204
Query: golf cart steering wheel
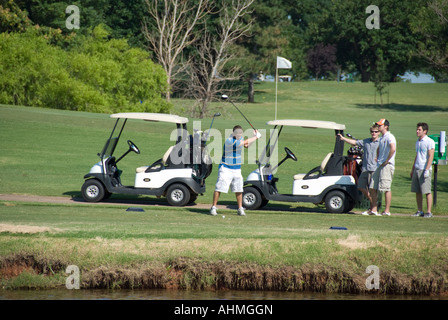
x: 133, y: 147
x: 290, y: 155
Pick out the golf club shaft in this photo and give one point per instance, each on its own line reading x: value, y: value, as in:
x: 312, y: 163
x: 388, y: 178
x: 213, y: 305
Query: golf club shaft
x: 211, y: 125
x: 242, y: 115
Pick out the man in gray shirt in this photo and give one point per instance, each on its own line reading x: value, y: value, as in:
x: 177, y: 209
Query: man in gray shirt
x: 369, y: 165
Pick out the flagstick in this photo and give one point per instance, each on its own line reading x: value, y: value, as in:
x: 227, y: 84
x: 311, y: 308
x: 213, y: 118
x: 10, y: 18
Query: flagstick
x: 276, y: 87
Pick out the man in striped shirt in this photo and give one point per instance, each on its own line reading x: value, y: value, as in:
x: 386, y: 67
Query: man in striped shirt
x: 229, y: 174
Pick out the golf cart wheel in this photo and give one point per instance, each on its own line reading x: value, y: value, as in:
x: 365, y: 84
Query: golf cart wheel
x: 350, y: 204
x: 335, y: 202
x: 264, y: 202
x: 93, y: 190
x: 178, y: 195
x: 193, y: 198
x: 251, y: 198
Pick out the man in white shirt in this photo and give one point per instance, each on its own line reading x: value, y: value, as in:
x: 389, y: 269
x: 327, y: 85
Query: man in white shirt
x: 382, y: 177
x: 421, y: 170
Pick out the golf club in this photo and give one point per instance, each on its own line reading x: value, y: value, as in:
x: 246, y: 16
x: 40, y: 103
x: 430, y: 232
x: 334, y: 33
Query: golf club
x: 225, y: 97
x: 217, y: 114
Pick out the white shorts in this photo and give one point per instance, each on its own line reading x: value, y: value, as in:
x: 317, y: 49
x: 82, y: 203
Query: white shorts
x: 382, y: 178
x: 229, y: 178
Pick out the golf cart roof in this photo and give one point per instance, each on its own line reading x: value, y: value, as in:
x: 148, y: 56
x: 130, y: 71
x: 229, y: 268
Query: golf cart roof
x: 314, y: 124
x: 163, y: 117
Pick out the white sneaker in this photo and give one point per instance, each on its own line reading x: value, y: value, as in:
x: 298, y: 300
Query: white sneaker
x: 374, y: 213
x: 386, y: 213
x: 241, y: 212
x: 213, y: 211
x: 366, y: 213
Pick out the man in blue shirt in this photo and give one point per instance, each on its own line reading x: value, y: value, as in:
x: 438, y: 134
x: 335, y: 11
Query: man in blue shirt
x: 383, y: 175
x: 229, y: 174
x: 369, y: 165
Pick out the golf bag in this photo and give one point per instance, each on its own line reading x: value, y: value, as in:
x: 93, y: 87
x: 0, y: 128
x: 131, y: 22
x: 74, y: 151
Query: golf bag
x: 353, y: 162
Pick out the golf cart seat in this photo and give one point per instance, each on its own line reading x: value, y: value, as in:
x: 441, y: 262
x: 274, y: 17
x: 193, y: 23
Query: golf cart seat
x: 158, y: 165
x: 319, y: 170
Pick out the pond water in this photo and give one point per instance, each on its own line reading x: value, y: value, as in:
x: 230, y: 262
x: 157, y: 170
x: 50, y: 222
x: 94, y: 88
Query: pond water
x: 162, y: 294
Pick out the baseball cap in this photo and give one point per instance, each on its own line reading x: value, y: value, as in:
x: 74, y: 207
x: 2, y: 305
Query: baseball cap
x: 383, y: 122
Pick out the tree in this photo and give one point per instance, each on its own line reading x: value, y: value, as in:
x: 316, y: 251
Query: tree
x: 322, y: 59
x: 52, y: 13
x: 273, y: 34
x: 171, y: 30
x: 431, y: 25
x: 210, y: 67
x: 343, y: 23
x: 123, y: 18
x: 13, y: 18
x: 380, y: 76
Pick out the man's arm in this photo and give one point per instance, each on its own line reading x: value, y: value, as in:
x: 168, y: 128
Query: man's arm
x: 348, y: 140
x: 377, y: 154
x: 413, y: 166
x: 430, y: 159
x: 393, y: 148
x: 249, y: 141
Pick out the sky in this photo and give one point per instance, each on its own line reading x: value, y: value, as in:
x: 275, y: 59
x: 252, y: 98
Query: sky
x: 421, y: 78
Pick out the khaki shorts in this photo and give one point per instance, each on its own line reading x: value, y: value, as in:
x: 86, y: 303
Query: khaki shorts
x: 382, y: 178
x: 229, y: 178
x: 420, y: 184
x: 364, y: 179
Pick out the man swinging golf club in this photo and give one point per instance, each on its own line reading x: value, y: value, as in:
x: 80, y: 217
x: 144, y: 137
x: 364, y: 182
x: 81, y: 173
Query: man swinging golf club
x: 229, y: 174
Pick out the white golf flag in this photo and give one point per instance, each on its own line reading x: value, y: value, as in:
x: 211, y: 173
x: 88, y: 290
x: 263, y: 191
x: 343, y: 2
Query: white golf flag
x: 283, y: 63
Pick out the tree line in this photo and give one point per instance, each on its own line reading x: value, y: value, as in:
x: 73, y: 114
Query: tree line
x: 207, y: 46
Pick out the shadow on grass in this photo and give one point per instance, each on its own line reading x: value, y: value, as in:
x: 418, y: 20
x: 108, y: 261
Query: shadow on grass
x: 193, y: 207
x: 442, y: 186
x: 119, y: 199
x: 73, y: 194
x: 402, y: 107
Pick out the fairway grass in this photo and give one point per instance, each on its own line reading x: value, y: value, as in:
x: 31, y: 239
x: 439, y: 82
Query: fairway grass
x: 288, y: 246
x: 47, y: 152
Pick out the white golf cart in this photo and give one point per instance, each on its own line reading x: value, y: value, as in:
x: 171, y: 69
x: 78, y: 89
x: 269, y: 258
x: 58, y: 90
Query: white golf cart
x: 325, y: 183
x: 176, y: 175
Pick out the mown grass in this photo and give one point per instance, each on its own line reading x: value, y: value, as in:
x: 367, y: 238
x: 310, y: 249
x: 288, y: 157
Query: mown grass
x: 46, y: 152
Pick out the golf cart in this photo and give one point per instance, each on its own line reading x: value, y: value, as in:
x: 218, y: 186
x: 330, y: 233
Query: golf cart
x: 176, y: 175
x: 325, y: 183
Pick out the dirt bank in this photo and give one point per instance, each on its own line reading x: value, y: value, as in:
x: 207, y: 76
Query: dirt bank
x: 191, y: 274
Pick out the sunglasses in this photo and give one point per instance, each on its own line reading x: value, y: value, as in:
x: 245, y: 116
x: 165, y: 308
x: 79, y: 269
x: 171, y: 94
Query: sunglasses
x: 374, y: 131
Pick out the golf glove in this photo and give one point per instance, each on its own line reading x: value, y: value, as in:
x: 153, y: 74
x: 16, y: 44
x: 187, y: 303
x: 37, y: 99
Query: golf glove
x: 258, y: 135
x: 426, y: 174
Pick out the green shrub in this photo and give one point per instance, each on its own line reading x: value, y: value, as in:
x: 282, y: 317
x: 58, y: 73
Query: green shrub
x: 99, y: 75
x: 25, y: 65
